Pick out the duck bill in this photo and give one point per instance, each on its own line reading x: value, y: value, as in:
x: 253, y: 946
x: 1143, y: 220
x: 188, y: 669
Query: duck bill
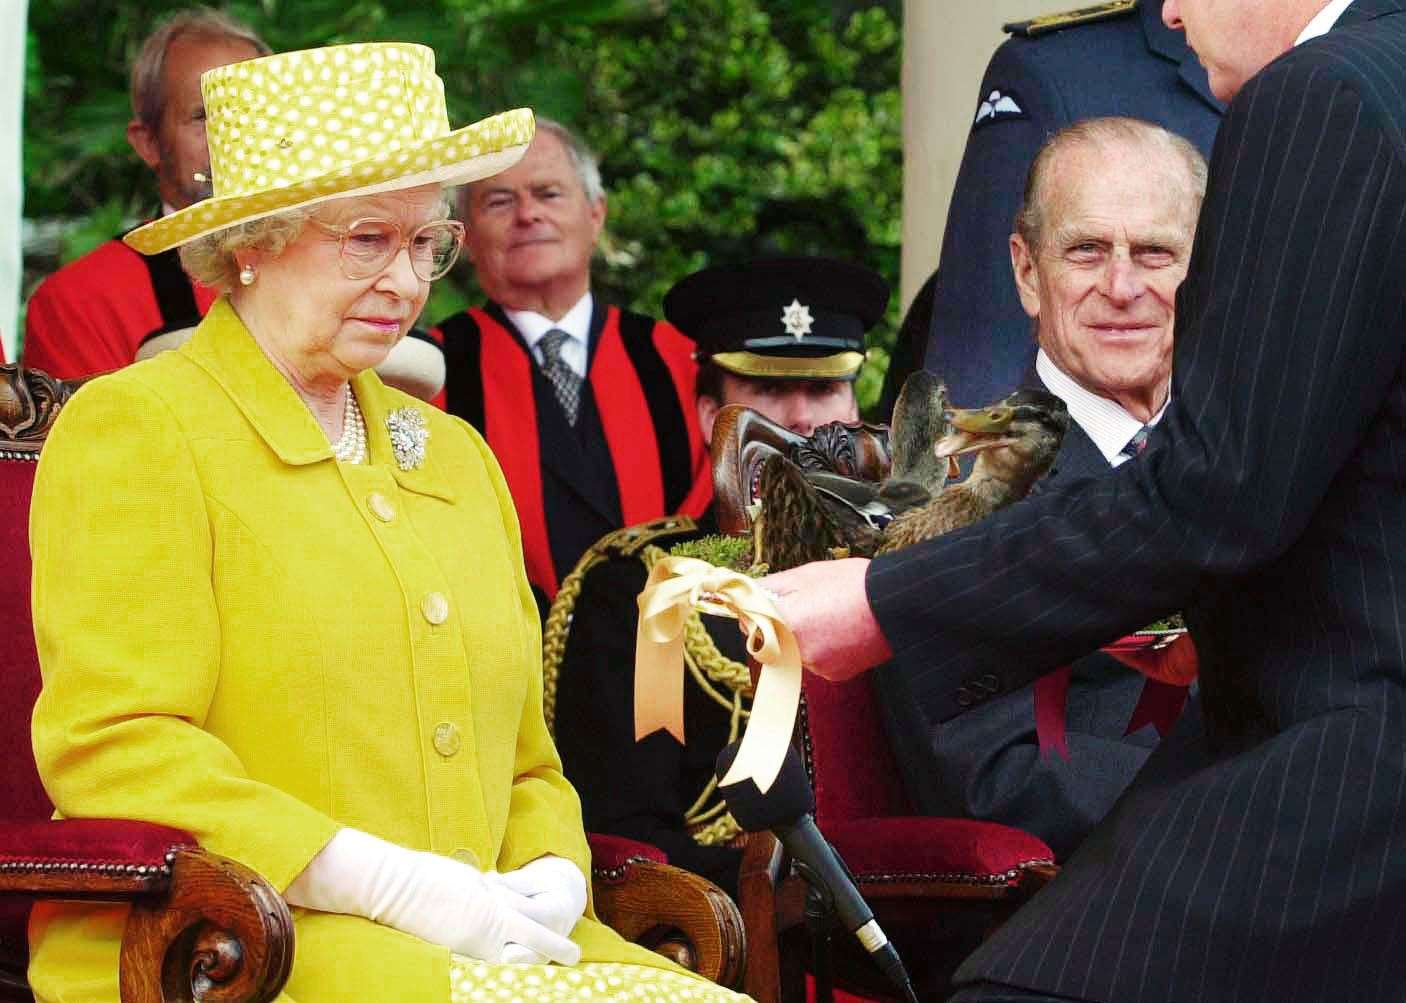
x: 972, y: 431
x: 960, y: 443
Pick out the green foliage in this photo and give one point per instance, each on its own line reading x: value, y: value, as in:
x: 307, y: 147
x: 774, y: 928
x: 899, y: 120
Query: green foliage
x: 726, y: 128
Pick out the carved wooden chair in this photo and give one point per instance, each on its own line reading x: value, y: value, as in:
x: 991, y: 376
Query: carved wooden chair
x: 936, y: 882
x: 202, y: 926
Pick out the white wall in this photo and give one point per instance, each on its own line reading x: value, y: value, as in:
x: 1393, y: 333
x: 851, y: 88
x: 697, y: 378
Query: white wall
x: 13, y: 13
x: 946, y: 44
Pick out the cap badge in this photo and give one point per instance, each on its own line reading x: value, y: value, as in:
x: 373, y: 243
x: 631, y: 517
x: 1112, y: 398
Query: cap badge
x: 796, y: 319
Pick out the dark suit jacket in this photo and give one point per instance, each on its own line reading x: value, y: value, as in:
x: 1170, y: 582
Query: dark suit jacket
x: 1260, y: 854
x: 987, y: 764
x: 978, y: 338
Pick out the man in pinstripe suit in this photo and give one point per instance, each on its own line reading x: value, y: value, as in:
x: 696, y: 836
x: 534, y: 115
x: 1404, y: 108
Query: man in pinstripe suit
x: 1261, y: 852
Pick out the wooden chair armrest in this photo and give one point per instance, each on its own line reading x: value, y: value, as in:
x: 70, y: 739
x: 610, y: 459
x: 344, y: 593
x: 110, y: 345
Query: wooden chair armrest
x: 221, y: 934
x: 681, y: 915
x: 201, y: 926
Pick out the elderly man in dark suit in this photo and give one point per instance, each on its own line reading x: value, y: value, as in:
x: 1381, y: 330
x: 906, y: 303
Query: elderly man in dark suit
x: 588, y: 407
x: 1109, y: 59
x: 1260, y: 854
x: 1099, y: 249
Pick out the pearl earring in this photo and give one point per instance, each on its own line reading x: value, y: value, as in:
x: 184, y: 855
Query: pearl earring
x: 246, y: 275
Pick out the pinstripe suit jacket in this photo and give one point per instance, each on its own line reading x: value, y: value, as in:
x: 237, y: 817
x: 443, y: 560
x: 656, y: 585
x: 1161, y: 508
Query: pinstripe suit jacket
x: 1261, y: 852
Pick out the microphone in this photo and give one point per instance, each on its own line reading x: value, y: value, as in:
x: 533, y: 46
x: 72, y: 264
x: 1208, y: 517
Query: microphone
x: 788, y: 811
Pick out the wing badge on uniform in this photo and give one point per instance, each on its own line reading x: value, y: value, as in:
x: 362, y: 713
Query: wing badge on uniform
x: 998, y: 106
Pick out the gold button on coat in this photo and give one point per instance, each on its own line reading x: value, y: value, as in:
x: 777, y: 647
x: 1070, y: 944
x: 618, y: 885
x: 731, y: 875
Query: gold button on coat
x: 446, y: 739
x: 380, y: 506
x: 435, y: 607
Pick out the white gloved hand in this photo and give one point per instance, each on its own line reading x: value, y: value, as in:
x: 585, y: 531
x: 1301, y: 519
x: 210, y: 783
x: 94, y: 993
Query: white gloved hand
x: 552, y: 891
x: 431, y: 897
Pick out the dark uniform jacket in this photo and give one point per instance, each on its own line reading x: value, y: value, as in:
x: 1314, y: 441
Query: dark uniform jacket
x: 635, y: 453
x: 642, y: 790
x: 979, y: 339
x: 92, y: 315
x: 1260, y: 854
x: 987, y: 763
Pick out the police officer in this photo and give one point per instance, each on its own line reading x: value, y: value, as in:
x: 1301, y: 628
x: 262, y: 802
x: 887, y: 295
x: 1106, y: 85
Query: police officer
x: 785, y: 337
x: 1111, y: 59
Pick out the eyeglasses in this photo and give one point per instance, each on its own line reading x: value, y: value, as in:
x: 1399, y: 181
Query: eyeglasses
x: 369, y: 245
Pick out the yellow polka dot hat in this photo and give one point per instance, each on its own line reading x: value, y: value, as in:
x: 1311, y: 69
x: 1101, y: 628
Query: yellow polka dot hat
x: 298, y: 128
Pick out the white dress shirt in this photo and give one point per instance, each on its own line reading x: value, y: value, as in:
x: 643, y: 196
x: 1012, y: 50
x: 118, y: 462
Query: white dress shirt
x: 1323, y: 21
x: 1106, y: 423
x: 576, y: 323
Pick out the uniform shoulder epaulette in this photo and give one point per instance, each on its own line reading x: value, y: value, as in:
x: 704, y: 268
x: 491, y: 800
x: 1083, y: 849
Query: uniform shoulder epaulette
x: 631, y: 540
x: 1046, y: 23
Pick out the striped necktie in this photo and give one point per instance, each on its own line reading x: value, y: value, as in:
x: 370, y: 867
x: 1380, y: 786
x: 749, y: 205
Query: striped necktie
x: 563, y: 378
x: 1136, y: 444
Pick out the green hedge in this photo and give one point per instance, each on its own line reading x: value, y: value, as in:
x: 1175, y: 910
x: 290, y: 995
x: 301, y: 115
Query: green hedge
x: 726, y: 128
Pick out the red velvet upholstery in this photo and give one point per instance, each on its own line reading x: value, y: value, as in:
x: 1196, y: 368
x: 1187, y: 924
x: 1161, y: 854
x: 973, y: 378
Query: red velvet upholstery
x: 612, y: 853
x: 861, y: 806
x: 21, y: 794
x: 89, y: 842
x: 852, y: 767
x: 905, y: 848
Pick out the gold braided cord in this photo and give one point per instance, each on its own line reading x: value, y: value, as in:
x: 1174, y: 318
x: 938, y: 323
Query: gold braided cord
x: 725, y: 682
x: 622, y: 543
x: 718, y: 833
x: 556, y: 629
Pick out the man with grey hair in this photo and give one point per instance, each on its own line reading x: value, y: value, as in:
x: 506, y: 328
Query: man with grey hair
x: 589, y: 408
x: 92, y: 315
x: 1101, y: 243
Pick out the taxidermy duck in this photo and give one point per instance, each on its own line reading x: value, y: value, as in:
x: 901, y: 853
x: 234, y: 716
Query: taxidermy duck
x: 809, y: 516
x: 804, y: 514
x: 1015, y: 441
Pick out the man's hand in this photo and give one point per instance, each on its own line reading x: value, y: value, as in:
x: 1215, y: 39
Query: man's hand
x: 826, y: 607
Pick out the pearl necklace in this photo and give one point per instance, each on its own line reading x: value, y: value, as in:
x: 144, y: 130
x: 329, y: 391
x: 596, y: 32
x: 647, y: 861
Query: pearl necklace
x: 351, y: 447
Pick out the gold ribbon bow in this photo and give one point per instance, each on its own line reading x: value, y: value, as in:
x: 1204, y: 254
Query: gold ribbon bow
x: 676, y: 586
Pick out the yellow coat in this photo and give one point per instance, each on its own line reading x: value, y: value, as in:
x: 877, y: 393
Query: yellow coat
x: 238, y: 638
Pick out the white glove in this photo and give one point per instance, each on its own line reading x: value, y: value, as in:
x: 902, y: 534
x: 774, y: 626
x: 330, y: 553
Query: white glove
x: 551, y: 890
x: 431, y: 897
x: 554, y: 889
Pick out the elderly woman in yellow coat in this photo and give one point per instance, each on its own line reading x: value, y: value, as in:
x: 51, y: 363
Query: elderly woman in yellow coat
x: 283, y: 607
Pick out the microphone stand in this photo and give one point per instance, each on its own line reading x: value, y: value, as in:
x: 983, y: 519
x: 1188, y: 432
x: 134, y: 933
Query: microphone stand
x: 820, y: 923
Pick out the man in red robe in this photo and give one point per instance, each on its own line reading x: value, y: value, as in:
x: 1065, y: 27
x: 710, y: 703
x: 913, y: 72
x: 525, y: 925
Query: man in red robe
x: 589, y: 408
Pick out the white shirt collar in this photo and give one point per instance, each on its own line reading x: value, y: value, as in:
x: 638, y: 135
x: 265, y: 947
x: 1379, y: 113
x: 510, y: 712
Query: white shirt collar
x: 1323, y: 21
x: 1105, y: 422
x: 576, y: 322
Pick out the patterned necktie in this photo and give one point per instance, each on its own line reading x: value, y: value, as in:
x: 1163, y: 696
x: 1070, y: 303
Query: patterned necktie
x: 564, y: 379
x: 1136, y: 444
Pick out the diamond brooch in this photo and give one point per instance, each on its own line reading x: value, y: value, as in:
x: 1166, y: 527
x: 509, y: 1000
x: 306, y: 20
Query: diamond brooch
x: 409, y: 432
